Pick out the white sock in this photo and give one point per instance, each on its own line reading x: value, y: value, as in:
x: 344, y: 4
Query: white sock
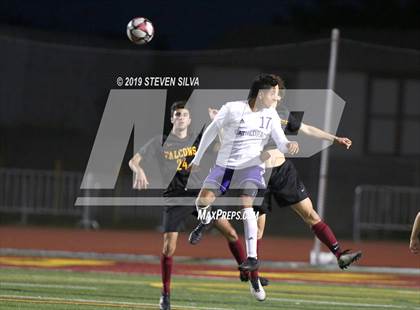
x: 250, y: 231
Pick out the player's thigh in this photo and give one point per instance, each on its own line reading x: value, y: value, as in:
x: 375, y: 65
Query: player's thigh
x: 169, y: 243
x: 306, y: 211
x: 226, y: 229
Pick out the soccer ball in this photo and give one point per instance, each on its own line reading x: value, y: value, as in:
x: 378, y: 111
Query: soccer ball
x: 140, y: 30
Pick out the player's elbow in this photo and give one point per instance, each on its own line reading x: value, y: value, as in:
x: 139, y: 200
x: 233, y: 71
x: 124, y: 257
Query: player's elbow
x: 134, y: 161
x: 131, y: 163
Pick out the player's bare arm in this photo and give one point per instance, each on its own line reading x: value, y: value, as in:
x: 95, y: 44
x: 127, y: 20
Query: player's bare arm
x: 212, y: 114
x: 321, y: 134
x: 415, y: 234
x: 193, y: 166
x: 140, y: 179
x: 209, y: 135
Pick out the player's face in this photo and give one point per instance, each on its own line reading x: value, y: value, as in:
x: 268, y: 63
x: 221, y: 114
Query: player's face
x: 269, y: 97
x: 181, y: 119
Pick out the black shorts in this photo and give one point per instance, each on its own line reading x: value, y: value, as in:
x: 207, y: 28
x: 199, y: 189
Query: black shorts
x: 284, y: 188
x: 174, y: 217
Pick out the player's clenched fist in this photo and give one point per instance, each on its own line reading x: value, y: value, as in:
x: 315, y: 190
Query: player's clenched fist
x: 343, y: 141
x: 293, y: 147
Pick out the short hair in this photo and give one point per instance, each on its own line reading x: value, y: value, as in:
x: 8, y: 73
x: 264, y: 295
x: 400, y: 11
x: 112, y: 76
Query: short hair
x: 178, y: 105
x: 265, y: 81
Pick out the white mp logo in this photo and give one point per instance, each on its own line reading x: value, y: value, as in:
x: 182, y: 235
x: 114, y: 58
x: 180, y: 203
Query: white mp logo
x: 143, y: 110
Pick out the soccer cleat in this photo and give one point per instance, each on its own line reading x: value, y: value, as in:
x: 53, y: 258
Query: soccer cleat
x: 250, y: 264
x: 264, y: 281
x: 244, y: 277
x: 347, y: 258
x: 164, y: 302
x: 197, y: 233
x: 256, y: 289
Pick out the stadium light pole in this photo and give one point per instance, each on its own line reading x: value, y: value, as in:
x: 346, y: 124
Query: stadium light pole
x: 315, y: 257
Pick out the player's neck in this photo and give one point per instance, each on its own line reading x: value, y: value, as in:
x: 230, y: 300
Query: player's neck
x: 180, y: 133
x: 258, y: 106
x: 253, y: 105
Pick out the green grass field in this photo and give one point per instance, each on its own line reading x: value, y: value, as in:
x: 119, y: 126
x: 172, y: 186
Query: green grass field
x: 51, y: 289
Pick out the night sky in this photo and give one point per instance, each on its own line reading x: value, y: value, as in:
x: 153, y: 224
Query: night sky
x: 201, y: 24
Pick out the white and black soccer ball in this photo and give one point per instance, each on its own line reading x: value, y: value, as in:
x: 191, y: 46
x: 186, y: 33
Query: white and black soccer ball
x: 140, y: 30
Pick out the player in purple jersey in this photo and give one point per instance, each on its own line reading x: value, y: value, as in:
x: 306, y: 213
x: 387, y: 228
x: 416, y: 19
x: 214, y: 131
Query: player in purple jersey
x: 247, y: 125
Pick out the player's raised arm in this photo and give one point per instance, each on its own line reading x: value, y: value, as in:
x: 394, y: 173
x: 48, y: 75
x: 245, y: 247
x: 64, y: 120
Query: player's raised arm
x: 140, y: 179
x: 212, y: 114
x: 415, y: 235
x: 208, y: 136
x: 219, y: 119
x: 321, y: 134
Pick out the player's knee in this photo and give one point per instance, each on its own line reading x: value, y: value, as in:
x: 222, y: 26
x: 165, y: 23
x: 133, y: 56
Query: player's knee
x: 260, y: 234
x: 306, y: 210
x: 315, y: 219
x: 169, y: 249
x: 169, y: 244
x: 206, y: 198
x: 312, y: 218
x: 231, y: 235
x: 250, y: 190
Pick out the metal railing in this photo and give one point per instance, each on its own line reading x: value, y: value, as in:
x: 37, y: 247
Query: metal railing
x: 386, y: 208
x: 26, y: 191
x: 43, y: 192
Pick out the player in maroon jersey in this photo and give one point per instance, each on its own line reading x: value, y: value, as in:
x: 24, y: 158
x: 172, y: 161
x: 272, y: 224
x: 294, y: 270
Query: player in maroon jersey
x: 286, y: 189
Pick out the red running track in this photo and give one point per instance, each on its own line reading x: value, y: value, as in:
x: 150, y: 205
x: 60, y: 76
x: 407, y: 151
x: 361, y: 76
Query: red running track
x: 375, y: 253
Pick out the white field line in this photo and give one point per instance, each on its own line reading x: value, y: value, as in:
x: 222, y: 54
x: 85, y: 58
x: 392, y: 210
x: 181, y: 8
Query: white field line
x: 95, y: 301
x: 408, y: 292
x: 71, y: 287
x: 335, y: 303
